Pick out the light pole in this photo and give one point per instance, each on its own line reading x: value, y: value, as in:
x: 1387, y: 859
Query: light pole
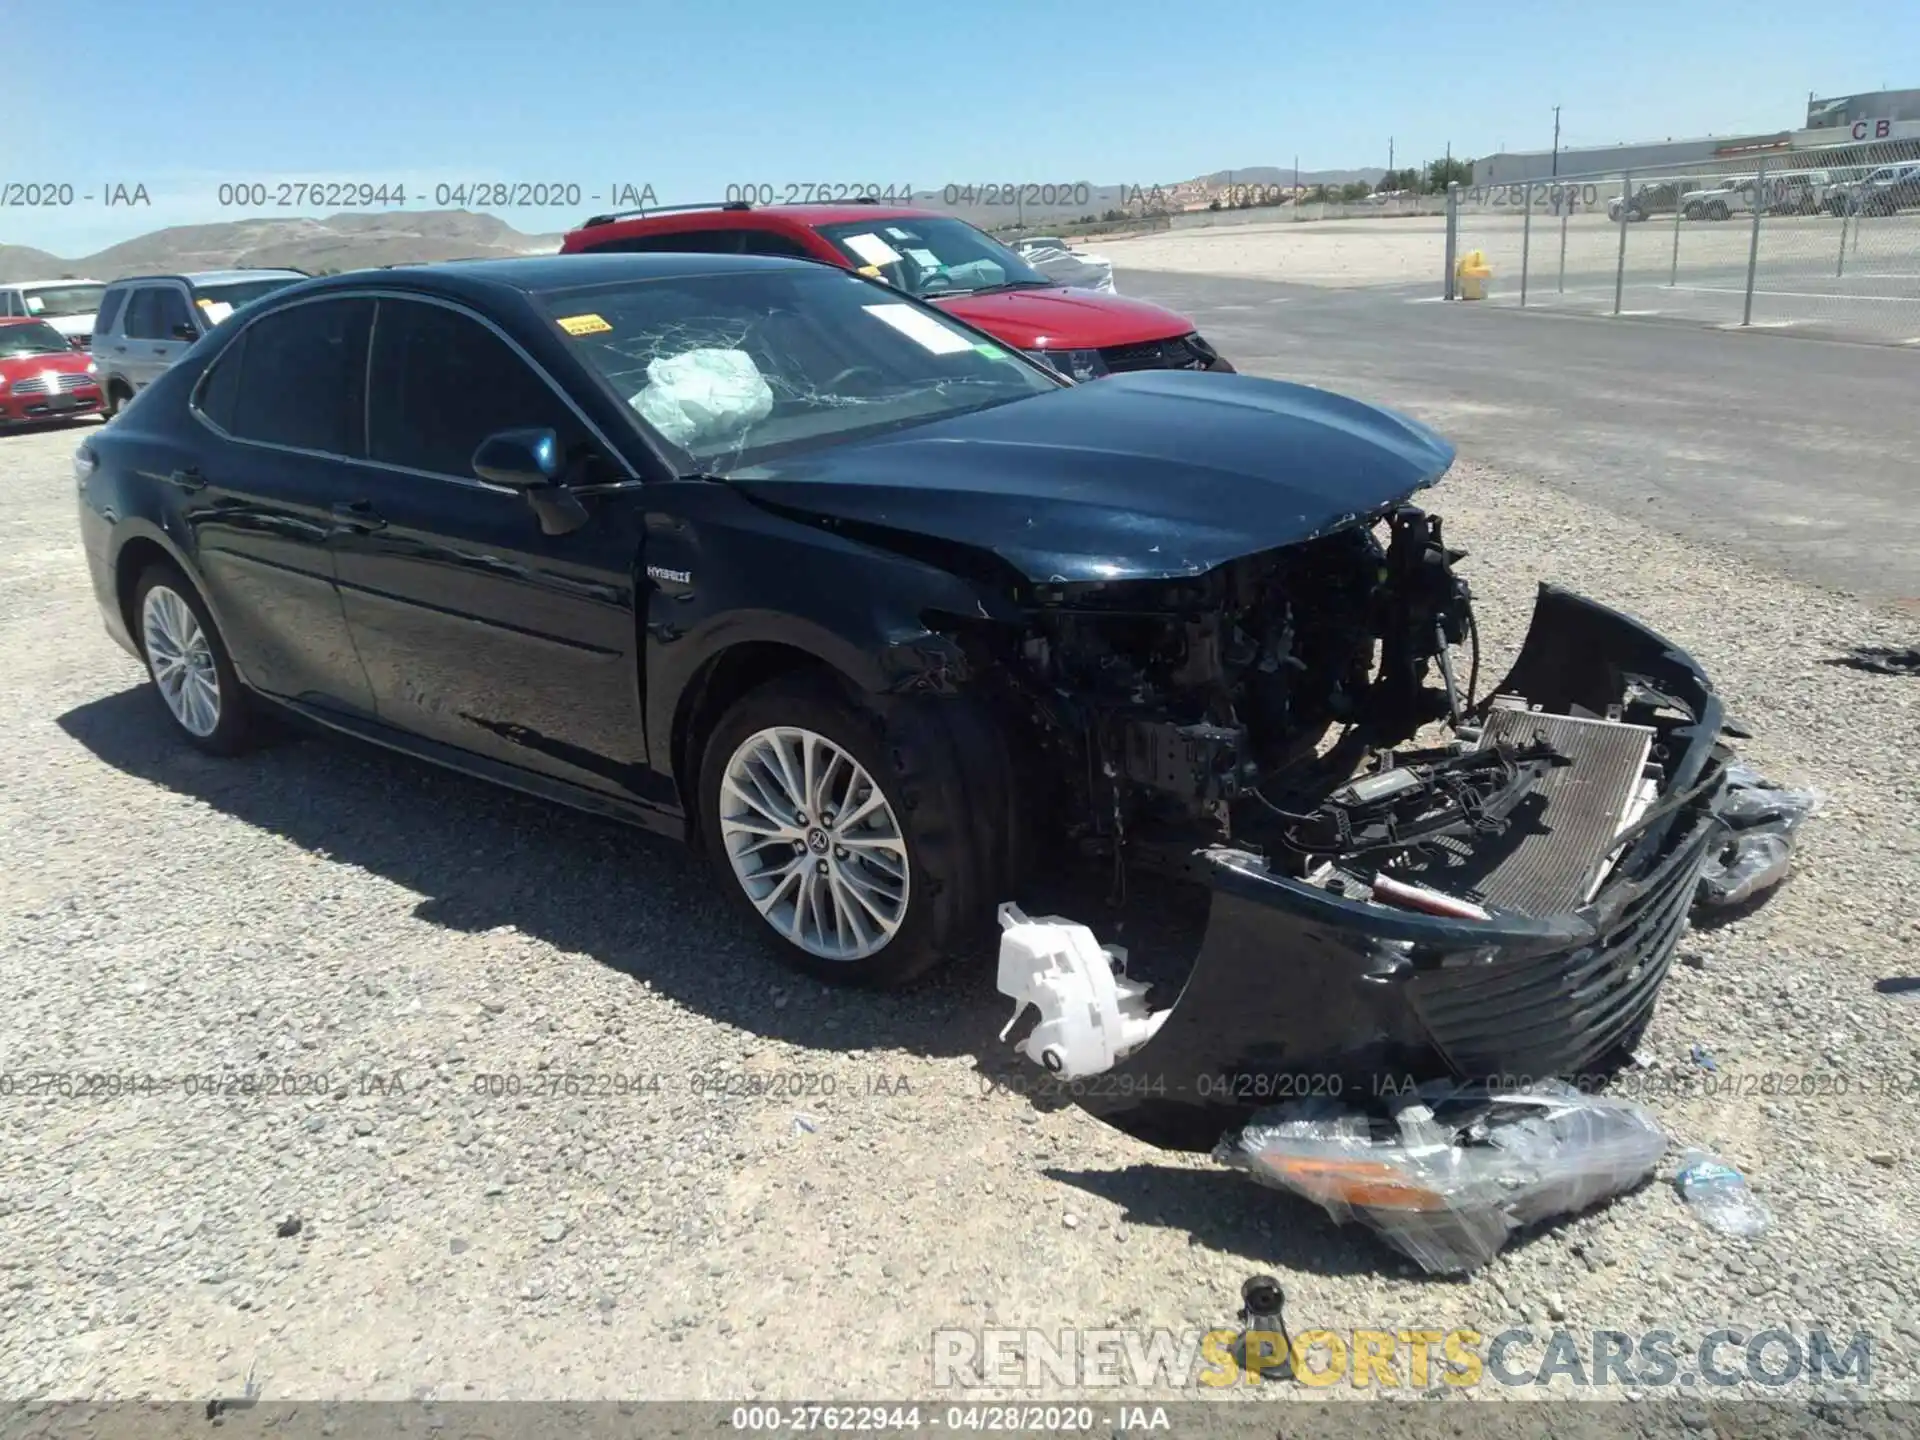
x: 1556, y: 140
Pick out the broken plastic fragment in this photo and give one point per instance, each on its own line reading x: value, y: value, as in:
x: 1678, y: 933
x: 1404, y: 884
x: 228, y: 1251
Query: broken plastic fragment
x: 1761, y: 820
x: 1089, y: 1015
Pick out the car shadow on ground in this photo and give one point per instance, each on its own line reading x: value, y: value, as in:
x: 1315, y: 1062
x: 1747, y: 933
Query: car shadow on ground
x: 484, y: 857
x: 1233, y: 1214
x: 1229, y: 1213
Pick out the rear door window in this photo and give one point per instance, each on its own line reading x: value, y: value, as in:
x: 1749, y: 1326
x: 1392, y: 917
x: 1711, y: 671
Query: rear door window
x: 300, y: 378
x: 683, y: 242
x: 767, y: 242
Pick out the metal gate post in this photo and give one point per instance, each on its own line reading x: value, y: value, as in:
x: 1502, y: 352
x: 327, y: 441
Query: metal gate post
x: 1753, y: 244
x: 1526, y: 236
x: 1565, y: 208
x: 1453, y: 230
x: 1620, y: 265
x: 1678, y: 190
x: 1840, y: 265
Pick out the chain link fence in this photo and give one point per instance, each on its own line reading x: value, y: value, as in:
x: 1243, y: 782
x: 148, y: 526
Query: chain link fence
x: 1823, y: 240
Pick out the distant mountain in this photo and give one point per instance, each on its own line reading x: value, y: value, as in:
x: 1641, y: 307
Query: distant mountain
x: 358, y: 239
x: 23, y: 262
x: 348, y: 241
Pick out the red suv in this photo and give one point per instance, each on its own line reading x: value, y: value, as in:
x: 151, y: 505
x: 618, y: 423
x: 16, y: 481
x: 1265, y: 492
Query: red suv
x: 1080, y: 333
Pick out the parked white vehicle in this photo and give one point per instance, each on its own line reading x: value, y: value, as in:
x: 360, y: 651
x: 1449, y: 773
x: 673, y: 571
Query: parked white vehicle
x: 1053, y: 258
x: 67, y: 305
x: 1732, y: 195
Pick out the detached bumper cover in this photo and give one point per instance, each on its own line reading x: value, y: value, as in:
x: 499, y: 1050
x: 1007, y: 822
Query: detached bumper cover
x: 1297, y: 992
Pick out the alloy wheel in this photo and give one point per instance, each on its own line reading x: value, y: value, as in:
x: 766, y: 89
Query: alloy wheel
x: 815, y: 843
x: 181, y: 660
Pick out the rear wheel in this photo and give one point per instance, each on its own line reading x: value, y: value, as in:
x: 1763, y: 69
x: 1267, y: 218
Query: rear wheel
x: 189, y: 664
x: 842, y: 831
x: 1692, y: 212
x: 118, y: 394
x: 1718, y: 210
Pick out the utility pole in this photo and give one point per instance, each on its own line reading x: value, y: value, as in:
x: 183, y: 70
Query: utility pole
x: 1556, y: 140
x: 1389, y: 157
x: 1296, y: 175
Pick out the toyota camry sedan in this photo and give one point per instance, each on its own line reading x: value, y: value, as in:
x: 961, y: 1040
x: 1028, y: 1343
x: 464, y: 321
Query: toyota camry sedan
x: 883, y: 616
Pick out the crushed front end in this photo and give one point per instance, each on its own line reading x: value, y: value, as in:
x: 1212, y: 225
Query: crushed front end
x: 1409, y: 882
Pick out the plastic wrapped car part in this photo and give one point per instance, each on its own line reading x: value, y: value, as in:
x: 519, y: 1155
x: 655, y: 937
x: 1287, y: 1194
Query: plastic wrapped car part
x: 1458, y: 1168
x: 704, y: 395
x: 1760, y: 819
x: 1089, y: 1015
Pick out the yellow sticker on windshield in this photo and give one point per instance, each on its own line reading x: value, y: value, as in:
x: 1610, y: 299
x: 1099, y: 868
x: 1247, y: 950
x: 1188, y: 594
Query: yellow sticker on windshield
x: 584, y: 325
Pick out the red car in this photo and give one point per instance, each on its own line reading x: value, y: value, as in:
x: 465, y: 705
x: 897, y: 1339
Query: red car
x: 1080, y: 333
x: 42, y: 377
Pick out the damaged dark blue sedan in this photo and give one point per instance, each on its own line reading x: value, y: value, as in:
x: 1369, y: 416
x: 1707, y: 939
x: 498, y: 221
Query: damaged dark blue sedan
x: 774, y: 558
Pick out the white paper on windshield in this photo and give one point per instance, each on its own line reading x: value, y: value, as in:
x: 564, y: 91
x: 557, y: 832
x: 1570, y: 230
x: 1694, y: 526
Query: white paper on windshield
x: 897, y: 233
x: 925, y: 259
x: 35, y: 304
x: 921, y: 328
x: 215, y: 310
x: 872, y: 249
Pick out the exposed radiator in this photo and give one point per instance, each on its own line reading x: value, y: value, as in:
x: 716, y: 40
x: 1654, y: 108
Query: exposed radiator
x: 1556, y: 840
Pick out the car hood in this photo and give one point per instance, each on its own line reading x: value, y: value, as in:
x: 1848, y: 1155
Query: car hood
x: 1148, y: 475
x: 1064, y: 318
x: 18, y: 367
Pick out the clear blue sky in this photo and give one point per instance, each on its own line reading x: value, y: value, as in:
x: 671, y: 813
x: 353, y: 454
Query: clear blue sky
x: 183, y: 94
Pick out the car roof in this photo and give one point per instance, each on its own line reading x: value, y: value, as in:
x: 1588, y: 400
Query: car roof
x: 542, y: 274
x: 743, y: 216
x: 22, y: 320
x: 213, y: 277
x: 47, y: 284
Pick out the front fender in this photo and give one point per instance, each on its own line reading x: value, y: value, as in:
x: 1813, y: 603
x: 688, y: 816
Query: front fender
x: 725, y: 572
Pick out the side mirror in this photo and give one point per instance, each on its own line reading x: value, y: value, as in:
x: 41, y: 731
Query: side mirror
x: 522, y: 459
x: 530, y: 461
x: 186, y: 330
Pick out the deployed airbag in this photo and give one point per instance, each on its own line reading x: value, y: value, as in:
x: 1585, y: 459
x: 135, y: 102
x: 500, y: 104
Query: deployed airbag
x: 705, y: 395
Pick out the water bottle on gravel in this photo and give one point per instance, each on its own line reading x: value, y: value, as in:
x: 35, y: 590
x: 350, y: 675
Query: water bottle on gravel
x: 1718, y: 1194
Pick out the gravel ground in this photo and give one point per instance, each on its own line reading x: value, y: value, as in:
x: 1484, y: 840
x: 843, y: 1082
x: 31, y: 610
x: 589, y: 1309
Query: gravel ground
x: 323, y: 909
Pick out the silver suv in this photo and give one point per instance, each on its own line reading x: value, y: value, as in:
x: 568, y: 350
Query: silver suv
x: 148, y: 321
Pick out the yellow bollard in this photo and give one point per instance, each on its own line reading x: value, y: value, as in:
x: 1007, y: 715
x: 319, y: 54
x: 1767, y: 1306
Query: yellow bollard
x: 1471, y: 273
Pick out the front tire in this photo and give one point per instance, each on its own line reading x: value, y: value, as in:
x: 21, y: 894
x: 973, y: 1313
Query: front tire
x: 117, y: 396
x: 189, y: 664
x: 841, y: 831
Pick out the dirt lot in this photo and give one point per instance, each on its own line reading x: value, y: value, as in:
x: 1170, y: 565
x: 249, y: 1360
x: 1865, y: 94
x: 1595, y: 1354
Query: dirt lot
x: 1798, y: 255
x: 453, y: 960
